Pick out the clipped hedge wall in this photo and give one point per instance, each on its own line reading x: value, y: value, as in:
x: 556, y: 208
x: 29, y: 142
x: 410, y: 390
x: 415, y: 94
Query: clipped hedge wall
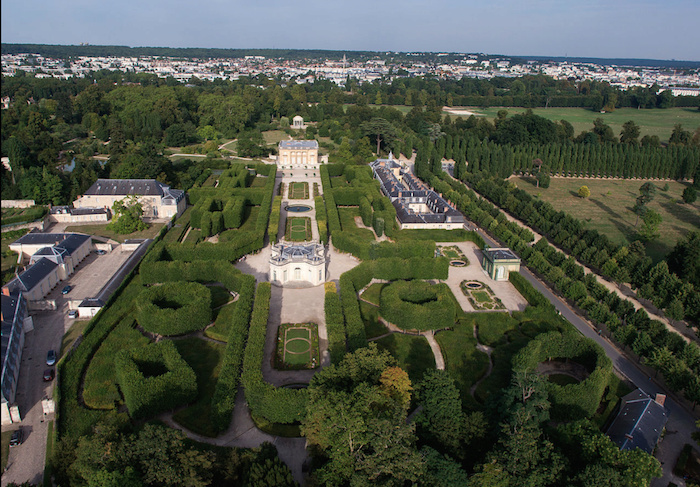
x: 321, y: 219
x: 573, y: 401
x: 224, y: 398
x: 278, y: 405
x: 274, y: 226
x: 154, y: 378
x: 193, y: 313
x: 417, y: 305
x: 532, y: 295
x: 335, y: 324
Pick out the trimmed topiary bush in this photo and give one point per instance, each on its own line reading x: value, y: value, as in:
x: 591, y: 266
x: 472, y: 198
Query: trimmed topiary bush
x: 174, y: 308
x: 154, y: 378
x: 417, y: 305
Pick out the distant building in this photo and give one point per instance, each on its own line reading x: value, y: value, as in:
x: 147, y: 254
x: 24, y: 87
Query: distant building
x: 499, y: 263
x: 297, y: 263
x: 15, y: 322
x: 157, y: 199
x: 298, y: 123
x: 298, y: 154
x: 639, y: 422
x: 68, y: 214
x: 417, y: 206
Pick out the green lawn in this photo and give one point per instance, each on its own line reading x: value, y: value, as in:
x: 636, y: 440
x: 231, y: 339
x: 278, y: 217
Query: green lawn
x: 412, y: 352
x: 205, y: 358
x: 100, y: 386
x: 274, y: 137
x: 370, y: 317
x: 297, y: 346
x: 298, y: 229
x: 609, y: 208
x: 463, y: 361
x: 220, y: 329
x: 75, y: 330
x: 102, y: 231
x: 258, y: 182
x: 372, y: 293
x: 298, y: 190
x: 652, y: 122
x: 347, y: 223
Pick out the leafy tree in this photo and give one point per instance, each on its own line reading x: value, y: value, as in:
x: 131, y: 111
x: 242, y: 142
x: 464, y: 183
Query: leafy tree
x: 127, y: 216
x: 650, y: 226
x: 441, y: 419
x: 690, y: 195
x: 679, y: 136
x: 381, y: 129
x: 603, y: 131
x: 251, y: 144
x: 584, y: 192
x: 630, y: 133
x: 357, y: 420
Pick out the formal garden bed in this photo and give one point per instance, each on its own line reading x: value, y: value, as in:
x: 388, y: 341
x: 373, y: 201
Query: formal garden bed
x: 298, y: 229
x: 299, y: 190
x: 297, y: 346
x: 455, y: 254
x: 480, y: 296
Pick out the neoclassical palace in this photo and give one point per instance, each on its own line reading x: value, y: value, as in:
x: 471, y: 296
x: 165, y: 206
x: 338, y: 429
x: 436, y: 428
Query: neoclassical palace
x: 297, y: 263
x: 298, y: 154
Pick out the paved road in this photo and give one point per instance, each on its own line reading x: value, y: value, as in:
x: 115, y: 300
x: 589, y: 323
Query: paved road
x: 681, y: 422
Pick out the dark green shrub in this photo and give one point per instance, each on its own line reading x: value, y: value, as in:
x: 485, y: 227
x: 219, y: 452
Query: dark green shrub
x: 174, y: 308
x: 335, y: 324
x: 417, y: 305
x: 154, y: 379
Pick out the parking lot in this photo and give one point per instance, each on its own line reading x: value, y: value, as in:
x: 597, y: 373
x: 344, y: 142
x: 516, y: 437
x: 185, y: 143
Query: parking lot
x: 26, y: 461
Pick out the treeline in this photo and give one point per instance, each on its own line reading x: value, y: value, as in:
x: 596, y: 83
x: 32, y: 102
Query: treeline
x: 661, y: 349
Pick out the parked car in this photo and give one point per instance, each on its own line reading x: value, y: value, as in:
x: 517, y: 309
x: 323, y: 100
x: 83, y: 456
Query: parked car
x: 73, y: 313
x: 51, y: 357
x: 100, y: 252
x: 66, y: 289
x: 17, y: 437
x: 49, y: 374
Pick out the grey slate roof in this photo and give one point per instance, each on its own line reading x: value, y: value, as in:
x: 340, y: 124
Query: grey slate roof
x: 32, y: 275
x: 639, y: 422
x: 500, y: 254
x: 298, y: 144
x: 91, y: 303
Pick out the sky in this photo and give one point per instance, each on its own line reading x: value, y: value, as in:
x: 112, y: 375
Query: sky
x: 660, y: 29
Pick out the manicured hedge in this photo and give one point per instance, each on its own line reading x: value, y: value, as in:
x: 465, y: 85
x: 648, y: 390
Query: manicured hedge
x: 532, y: 295
x: 417, y: 305
x: 321, y: 219
x: 193, y: 313
x: 573, y: 401
x: 224, y: 398
x: 279, y: 405
x: 154, y: 378
x: 335, y: 324
x: 274, y: 226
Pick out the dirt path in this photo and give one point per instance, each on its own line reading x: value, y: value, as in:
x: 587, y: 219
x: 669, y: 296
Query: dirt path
x: 487, y: 351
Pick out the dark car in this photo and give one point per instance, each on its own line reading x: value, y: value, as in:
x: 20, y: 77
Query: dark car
x: 51, y: 357
x: 16, y: 438
x: 66, y: 289
x: 49, y: 374
x: 73, y: 313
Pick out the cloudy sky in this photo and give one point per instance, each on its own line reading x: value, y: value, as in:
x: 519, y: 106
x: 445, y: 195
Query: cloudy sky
x: 657, y: 29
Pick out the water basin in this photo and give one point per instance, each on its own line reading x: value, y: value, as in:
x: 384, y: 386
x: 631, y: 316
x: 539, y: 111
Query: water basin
x: 298, y: 208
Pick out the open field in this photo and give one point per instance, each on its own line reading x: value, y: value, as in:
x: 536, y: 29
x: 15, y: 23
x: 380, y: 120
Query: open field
x: 274, y: 137
x: 103, y: 231
x: 609, y: 208
x: 651, y: 122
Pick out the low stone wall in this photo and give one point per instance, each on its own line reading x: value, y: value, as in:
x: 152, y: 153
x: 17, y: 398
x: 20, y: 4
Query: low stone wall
x: 17, y: 203
x: 42, y: 225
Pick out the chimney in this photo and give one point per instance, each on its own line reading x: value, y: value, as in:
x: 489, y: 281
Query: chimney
x: 629, y: 437
x: 6, y: 290
x: 660, y: 399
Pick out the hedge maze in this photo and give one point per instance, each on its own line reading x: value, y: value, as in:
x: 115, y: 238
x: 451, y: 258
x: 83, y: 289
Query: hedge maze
x: 417, y: 305
x: 174, y: 308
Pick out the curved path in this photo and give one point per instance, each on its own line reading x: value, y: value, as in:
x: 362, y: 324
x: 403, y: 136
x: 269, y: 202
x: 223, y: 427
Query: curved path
x: 487, y: 350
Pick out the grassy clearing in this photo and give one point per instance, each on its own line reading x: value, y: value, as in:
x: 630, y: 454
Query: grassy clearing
x: 347, y: 223
x: 370, y: 317
x: 100, y: 387
x: 412, y: 352
x: 463, y: 361
x: 609, y: 208
x: 258, y: 182
x: 652, y: 122
x: 205, y: 358
x: 102, y: 231
x: 372, y: 293
x: 297, y: 346
x: 274, y: 137
x: 219, y: 331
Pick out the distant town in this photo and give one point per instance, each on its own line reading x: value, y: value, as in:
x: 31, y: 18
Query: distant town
x: 682, y: 82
